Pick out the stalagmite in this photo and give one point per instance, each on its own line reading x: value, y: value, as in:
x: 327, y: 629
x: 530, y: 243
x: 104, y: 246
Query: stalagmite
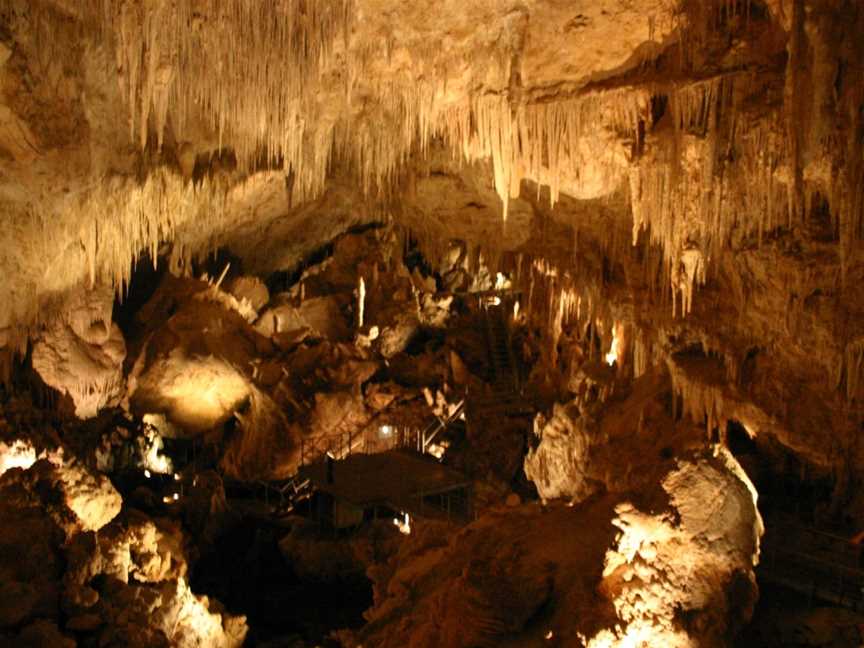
x: 361, y: 301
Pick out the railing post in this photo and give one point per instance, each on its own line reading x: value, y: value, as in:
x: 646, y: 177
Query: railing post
x: 841, y: 589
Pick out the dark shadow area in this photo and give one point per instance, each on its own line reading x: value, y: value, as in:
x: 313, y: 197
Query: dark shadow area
x: 247, y: 573
x: 144, y: 281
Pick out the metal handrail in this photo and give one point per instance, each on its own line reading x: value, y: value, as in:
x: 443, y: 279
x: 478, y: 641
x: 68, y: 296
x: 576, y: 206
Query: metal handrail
x: 441, y: 424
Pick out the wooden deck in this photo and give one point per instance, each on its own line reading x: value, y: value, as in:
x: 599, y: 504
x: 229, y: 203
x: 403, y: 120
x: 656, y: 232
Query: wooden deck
x: 398, y: 479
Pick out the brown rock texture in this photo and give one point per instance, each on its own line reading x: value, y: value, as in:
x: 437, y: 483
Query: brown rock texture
x: 671, y: 191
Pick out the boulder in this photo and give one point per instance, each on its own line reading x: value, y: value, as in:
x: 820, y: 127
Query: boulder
x: 195, y: 393
x: 81, y: 354
x: 252, y: 289
x: 685, y: 577
x: 395, y: 336
x: 195, y: 367
x: 91, y: 496
x: 558, y: 465
x: 323, y: 316
x: 75, y: 498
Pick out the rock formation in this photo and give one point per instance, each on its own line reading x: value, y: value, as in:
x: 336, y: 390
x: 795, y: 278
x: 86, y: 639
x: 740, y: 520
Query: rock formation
x: 81, y: 356
x: 239, y: 237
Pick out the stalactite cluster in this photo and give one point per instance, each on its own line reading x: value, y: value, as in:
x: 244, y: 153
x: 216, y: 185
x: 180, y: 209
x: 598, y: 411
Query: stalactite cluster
x: 253, y: 69
x: 291, y: 85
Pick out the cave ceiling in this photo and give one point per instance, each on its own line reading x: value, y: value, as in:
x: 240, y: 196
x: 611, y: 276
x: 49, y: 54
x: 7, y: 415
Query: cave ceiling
x: 702, y: 128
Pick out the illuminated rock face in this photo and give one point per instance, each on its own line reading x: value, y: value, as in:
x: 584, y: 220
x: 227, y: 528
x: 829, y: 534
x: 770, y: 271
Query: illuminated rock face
x: 685, y: 577
x: 75, y: 497
x: 18, y: 454
x: 90, y: 496
x: 679, y: 574
x: 688, y: 171
x: 559, y: 465
x: 153, y: 603
x: 119, y: 578
x: 197, y: 393
x: 82, y: 354
x: 193, y: 367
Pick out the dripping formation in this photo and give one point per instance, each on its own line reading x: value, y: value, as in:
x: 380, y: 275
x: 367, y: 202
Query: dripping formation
x: 496, y: 324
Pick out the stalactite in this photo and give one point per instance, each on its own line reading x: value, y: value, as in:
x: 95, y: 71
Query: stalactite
x: 850, y: 367
x: 178, y: 61
x: 559, y: 301
x: 539, y: 140
x: 98, y: 236
x: 794, y: 108
x: 176, y: 58
x: 685, y: 195
x: 701, y: 401
x: 642, y: 355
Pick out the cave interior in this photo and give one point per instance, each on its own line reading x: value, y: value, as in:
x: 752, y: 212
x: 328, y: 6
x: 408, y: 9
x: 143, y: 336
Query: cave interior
x: 512, y: 323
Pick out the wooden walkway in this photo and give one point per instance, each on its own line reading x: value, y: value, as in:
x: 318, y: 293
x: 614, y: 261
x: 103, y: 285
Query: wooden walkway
x: 398, y: 479
x: 821, y: 565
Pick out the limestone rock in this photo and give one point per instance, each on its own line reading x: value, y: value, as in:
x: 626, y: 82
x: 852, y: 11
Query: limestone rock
x: 145, y: 600
x: 84, y: 623
x: 196, y: 393
x: 558, y: 466
x: 92, y: 497
x: 82, y: 355
x: 168, y: 615
x: 136, y: 549
x: 322, y: 315
x: 316, y: 560
x: 486, y: 583
x: 194, y: 368
x: 252, y: 289
x: 17, y: 454
x: 17, y: 602
x: 702, y: 563
x: 75, y: 497
x: 396, y: 335
x: 43, y: 634
x: 434, y: 311
x: 264, y: 446
x: 338, y: 413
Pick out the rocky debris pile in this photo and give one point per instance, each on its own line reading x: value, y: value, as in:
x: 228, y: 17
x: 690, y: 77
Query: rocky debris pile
x: 493, y: 582
x: 74, y: 569
x: 261, y: 389
x: 128, y: 584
